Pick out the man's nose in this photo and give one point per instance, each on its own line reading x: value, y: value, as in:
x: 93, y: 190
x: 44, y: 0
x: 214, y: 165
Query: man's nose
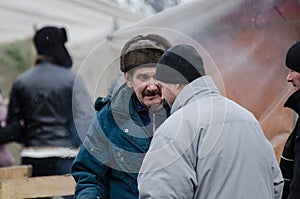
x: 152, y: 85
x: 289, y: 77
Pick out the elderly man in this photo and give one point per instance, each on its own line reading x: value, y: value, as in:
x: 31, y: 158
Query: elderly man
x: 109, y: 161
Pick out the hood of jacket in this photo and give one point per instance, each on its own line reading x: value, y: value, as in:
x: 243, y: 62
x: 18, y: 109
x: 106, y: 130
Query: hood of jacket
x: 201, y: 86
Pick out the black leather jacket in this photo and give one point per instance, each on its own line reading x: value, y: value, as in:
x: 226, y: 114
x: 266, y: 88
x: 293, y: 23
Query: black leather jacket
x: 290, y: 158
x: 42, y: 97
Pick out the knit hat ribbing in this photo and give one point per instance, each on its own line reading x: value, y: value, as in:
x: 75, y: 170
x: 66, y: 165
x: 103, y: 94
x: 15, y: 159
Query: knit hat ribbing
x: 292, y: 60
x: 180, y: 64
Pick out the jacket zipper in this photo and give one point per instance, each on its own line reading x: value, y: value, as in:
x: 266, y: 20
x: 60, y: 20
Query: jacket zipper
x: 154, y: 125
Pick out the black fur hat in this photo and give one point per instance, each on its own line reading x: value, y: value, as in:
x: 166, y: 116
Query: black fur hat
x: 50, y: 41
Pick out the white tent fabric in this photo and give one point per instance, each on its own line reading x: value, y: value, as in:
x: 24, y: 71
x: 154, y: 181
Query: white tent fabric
x: 84, y: 19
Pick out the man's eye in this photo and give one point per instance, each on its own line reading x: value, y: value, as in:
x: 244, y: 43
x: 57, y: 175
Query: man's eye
x: 143, y: 77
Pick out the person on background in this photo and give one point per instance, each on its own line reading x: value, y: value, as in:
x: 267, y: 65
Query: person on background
x: 6, y: 158
x: 108, y: 162
x: 55, y: 112
x: 210, y: 147
x: 290, y: 158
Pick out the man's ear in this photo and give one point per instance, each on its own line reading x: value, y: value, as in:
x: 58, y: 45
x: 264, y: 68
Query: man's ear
x: 179, y: 87
x: 128, y: 79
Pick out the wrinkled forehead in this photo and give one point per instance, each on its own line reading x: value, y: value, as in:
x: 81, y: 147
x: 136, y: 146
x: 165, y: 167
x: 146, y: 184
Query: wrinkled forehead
x: 149, y: 69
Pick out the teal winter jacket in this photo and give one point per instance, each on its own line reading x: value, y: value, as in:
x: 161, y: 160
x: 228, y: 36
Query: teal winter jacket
x: 108, y: 163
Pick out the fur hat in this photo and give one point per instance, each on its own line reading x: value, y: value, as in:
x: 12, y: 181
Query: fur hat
x: 292, y: 60
x: 180, y: 64
x: 50, y: 41
x: 143, y: 50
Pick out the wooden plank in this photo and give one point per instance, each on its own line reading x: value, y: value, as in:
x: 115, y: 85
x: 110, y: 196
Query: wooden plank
x: 15, y: 172
x: 7, y: 190
x: 35, y: 187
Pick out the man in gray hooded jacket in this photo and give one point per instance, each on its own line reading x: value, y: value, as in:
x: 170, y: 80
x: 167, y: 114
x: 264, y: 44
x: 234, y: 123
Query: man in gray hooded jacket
x: 210, y: 147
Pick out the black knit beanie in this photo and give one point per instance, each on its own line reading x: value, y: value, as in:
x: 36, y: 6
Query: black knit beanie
x: 180, y: 64
x: 292, y: 60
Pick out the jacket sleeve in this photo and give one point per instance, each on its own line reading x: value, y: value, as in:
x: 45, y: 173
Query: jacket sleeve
x: 90, y: 169
x: 277, y: 179
x: 10, y: 132
x: 83, y: 110
x: 167, y: 170
x: 295, y: 184
x: 14, y: 108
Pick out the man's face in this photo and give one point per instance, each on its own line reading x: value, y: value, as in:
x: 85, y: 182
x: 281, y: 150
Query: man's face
x: 294, y: 78
x: 144, y: 84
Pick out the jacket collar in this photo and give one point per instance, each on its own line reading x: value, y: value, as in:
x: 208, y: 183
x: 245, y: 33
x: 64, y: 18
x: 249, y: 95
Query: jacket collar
x: 200, y: 87
x: 137, y: 104
x: 121, y: 100
x: 293, y: 102
x: 126, y: 103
